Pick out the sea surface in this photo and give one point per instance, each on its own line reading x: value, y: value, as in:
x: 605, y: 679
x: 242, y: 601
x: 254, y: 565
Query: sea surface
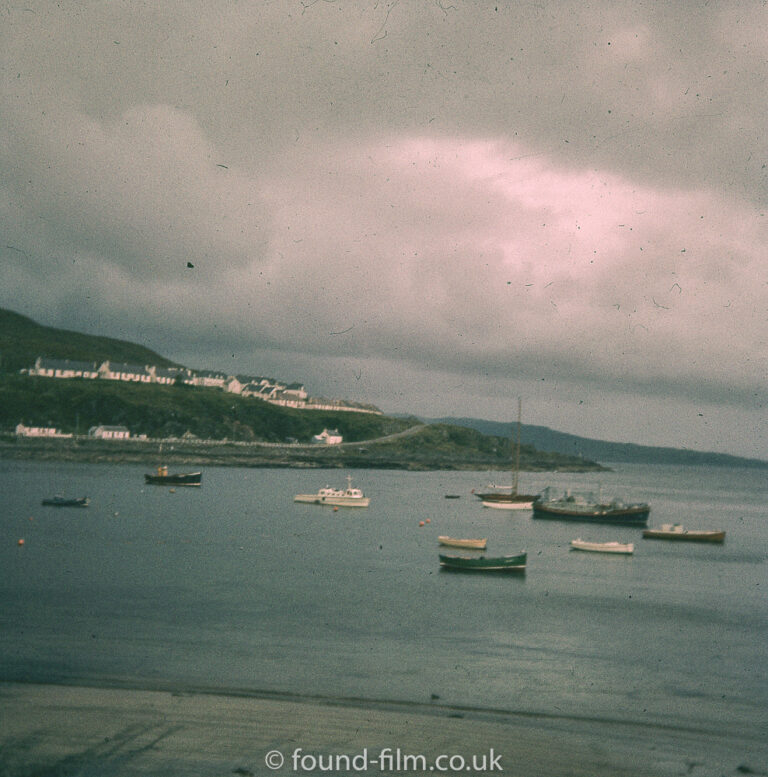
x: 233, y: 586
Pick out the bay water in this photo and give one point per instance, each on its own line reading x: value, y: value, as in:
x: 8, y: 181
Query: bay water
x: 235, y: 587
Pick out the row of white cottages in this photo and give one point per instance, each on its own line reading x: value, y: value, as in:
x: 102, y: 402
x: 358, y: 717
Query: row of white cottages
x: 268, y: 389
x: 101, y: 432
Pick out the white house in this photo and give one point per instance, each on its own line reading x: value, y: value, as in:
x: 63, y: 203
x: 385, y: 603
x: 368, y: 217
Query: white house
x: 293, y: 395
x: 233, y: 386
x: 131, y: 373
x: 328, y: 437
x: 109, y: 432
x: 63, y: 368
x: 38, y: 431
x: 209, y: 379
x: 164, y: 376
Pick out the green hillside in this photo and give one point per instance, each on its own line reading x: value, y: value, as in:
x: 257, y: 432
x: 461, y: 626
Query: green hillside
x: 162, y: 412
x: 22, y: 341
x: 170, y: 411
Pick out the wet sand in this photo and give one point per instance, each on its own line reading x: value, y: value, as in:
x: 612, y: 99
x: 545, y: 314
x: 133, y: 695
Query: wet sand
x: 57, y: 730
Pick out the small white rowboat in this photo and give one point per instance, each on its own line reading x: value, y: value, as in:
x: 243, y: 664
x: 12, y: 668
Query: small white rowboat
x: 603, y: 547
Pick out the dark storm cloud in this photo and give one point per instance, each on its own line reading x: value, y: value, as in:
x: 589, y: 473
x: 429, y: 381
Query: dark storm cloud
x: 511, y: 196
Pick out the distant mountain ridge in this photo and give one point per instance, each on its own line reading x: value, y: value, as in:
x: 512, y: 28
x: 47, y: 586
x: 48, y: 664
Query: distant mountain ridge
x: 545, y: 439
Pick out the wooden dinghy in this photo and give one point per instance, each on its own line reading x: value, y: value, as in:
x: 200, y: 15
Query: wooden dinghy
x: 675, y: 531
x: 626, y: 548
x: 485, y: 563
x: 454, y: 542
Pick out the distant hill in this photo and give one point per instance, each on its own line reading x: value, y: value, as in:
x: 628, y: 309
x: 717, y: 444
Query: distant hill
x: 546, y: 439
x: 22, y: 341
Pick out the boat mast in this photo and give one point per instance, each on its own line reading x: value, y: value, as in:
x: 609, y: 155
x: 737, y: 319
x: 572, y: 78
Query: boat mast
x: 517, y: 447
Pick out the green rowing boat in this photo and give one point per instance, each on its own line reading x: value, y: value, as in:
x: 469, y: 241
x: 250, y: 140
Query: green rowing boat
x: 485, y: 563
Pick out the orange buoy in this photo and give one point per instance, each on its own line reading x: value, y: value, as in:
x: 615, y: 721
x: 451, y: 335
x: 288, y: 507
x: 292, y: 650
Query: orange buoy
x: 428, y: 520
x: 21, y: 542
x: 421, y: 523
x: 335, y: 509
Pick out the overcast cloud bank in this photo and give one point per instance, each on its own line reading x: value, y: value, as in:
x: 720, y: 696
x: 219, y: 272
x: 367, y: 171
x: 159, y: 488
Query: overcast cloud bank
x: 432, y: 207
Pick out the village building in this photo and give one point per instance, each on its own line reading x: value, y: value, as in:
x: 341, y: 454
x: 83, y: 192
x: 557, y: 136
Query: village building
x: 165, y: 376
x: 131, y: 373
x: 293, y: 395
x: 268, y: 389
x: 104, y: 432
x: 63, y: 368
x: 328, y: 437
x: 39, y: 431
x: 209, y: 379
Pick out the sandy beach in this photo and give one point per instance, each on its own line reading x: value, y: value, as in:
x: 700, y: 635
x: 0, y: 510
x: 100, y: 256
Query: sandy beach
x: 56, y: 730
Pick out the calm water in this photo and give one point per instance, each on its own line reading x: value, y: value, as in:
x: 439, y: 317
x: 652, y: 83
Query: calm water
x: 235, y: 586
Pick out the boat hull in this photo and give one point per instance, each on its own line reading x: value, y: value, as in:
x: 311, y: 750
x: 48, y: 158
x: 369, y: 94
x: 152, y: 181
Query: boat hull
x: 604, y: 547
x: 684, y: 536
x: 60, y: 502
x: 333, y: 501
x: 185, y: 479
x: 508, y: 504
x: 634, y: 515
x: 484, y: 564
x: 455, y: 542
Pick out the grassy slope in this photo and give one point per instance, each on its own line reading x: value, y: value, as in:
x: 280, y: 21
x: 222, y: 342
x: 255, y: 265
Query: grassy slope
x: 163, y: 411
x: 158, y: 411
x: 22, y: 341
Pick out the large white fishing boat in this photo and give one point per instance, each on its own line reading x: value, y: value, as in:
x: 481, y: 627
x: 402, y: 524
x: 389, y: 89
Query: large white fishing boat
x: 336, y: 497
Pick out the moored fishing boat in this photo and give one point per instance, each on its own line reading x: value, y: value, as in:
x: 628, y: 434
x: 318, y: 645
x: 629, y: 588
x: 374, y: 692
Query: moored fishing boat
x: 590, y: 508
x: 514, y: 563
x: 163, y: 478
x: 625, y: 548
x: 455, y: 542
x: 336, y: 497
x: 675, y: 531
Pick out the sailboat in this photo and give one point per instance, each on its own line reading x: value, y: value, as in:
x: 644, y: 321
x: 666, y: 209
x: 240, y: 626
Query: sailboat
x: 507, y: 497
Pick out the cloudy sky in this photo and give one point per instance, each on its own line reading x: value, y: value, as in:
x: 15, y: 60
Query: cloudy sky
x: 436, y: 207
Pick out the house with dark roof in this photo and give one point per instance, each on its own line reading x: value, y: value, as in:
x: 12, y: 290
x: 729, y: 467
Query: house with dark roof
x: 131, y: 373
x: 164, y: 376
x: 64, y: 368
x: 105, y: 432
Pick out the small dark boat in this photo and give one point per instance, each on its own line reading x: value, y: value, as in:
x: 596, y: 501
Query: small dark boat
x: 60, y: 501
x: 162, y: 478
x: 485, y: 563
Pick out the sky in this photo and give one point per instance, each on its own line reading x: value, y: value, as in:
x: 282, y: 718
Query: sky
x: 436, y: 207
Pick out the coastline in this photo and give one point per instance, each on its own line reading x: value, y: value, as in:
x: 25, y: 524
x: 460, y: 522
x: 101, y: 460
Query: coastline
x: 174, y: 453
x: 121, y: 732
